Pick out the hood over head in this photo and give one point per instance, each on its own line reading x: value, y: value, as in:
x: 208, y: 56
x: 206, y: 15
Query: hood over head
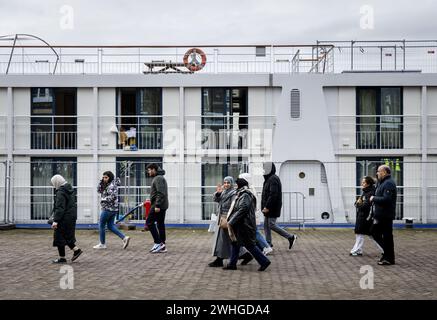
x: 269, y: 169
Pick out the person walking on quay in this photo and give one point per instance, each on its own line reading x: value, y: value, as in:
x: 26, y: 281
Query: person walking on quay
x: 364, y: 217
x: 384, y: 202
x: 159, y: 205
x: 261, y: 241
x: 64, y: 219
x: 108, y: 189
x: 242, y: 227
x: 224, y: 195
x: 271, y: 204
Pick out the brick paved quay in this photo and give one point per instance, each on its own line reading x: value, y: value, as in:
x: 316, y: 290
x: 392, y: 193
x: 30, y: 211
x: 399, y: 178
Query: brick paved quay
x: 319, y: 267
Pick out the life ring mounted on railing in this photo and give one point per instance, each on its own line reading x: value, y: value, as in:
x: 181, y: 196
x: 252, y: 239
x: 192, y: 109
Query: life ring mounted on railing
x: 192, y: 57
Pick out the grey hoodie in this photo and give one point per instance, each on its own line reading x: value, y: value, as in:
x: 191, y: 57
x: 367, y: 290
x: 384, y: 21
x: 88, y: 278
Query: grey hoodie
x: 159, y: 191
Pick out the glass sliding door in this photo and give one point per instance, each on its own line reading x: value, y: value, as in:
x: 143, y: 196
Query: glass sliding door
x: 379, y: 121
x: 213, y: 173
x: 150, y: 120
x: 224, y: 118
x: 53, y: 121
x: 367, y: 166
x: 139, y: 113
x: 42, y: 192
x: 391, y: 118
x: 135, y: 183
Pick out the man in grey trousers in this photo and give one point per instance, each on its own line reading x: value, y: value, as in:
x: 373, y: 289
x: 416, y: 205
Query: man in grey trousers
x: 271, y: 204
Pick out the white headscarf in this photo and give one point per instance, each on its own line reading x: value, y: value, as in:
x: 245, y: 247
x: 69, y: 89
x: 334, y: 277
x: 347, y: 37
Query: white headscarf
x: 58, y: 181
x: 246, y: 176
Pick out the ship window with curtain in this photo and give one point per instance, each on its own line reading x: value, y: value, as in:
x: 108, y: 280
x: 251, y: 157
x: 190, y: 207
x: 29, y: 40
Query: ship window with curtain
x: 379, y: 120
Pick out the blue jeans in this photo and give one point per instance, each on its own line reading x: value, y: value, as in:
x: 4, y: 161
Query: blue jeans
x: 260, y: 240
x: 254, y: 251
x: 107, y: 219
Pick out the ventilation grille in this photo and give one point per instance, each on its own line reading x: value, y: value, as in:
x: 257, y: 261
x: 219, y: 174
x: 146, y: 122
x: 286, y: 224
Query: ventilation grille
x: 323, y: 177
x: 295, y: 104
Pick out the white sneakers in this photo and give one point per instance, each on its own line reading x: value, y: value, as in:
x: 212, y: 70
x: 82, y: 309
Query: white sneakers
x: 126, y: 242
x: 267, y: 250
x: 156, y: 245
x: 159, y: 248
x: 103, y: 246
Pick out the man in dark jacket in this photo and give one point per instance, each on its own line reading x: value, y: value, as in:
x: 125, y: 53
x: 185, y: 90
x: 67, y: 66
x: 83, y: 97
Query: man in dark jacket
x: 271, y: 204
x: 242, y: 227
x: 384, y: 202
x: 158, y: 208
x: 64, y: 219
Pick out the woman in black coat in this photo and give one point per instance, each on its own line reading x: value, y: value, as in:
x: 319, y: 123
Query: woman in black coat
x: 64, y: 219
x: 364, y: 220
x: 242, y: 227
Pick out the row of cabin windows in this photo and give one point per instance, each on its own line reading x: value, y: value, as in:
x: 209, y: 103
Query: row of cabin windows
x: 379, y: 121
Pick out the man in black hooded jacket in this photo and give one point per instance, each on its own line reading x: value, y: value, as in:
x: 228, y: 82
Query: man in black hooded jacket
x: 271, y: 204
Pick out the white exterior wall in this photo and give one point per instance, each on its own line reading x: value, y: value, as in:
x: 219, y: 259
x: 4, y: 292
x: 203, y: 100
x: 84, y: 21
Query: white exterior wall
x: 85, y: 108
x: 412, y: 187
x: 432, y: 118
x: 3, y: 118
x: 346, y: 125
x: 306, y: 140
x: 21, y: 180
x: 432, y: 189
x: 193, y: 165
x: 106, y: 112
x: 86, y: 190
x: 21, y: 103
x: 412, y: 106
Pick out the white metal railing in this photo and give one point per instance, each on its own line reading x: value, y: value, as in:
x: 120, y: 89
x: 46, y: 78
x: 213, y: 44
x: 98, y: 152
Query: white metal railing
x: 42, y: 132
x: 141, y: 131
x: 133, y: 59
x: 375, y: 132
x: 191, y: 200
x: 3, y: 187
x: 385, y: 55
x: 233, y: 131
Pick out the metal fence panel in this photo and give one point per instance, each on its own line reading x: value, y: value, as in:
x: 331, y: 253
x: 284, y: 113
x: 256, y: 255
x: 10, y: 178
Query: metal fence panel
x: 3, y: 203
x: 312, y: 191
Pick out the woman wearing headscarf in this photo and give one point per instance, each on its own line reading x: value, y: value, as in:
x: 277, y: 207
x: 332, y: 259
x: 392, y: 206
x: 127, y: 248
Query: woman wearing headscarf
x: 64, y: 219
x: 261, y: 242
x: 221, y: 242
x: 108, y: 189
x: 242, y: 226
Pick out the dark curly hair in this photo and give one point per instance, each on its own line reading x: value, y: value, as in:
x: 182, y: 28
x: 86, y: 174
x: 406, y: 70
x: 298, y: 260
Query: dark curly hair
x: 369, y: 180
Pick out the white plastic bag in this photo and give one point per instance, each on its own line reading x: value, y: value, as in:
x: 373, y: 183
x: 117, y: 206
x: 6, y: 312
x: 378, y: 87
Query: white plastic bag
x: 213, y: 223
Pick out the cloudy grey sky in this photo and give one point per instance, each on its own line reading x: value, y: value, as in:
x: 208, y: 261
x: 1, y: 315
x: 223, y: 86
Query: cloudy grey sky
x: 191, y: 22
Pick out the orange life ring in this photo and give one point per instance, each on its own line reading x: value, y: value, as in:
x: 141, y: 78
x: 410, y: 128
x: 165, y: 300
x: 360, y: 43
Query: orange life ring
x: 194, y: 65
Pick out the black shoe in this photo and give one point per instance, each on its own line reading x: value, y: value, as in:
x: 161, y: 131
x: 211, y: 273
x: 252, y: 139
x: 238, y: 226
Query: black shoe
x: 230, y: 267
x: 262, y: 268
x: 216, y: 263
x: 60, y: 260
x: 385, y: 262
x: 76, y: 254
x: 292, y: 241
x: 247, y: 257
